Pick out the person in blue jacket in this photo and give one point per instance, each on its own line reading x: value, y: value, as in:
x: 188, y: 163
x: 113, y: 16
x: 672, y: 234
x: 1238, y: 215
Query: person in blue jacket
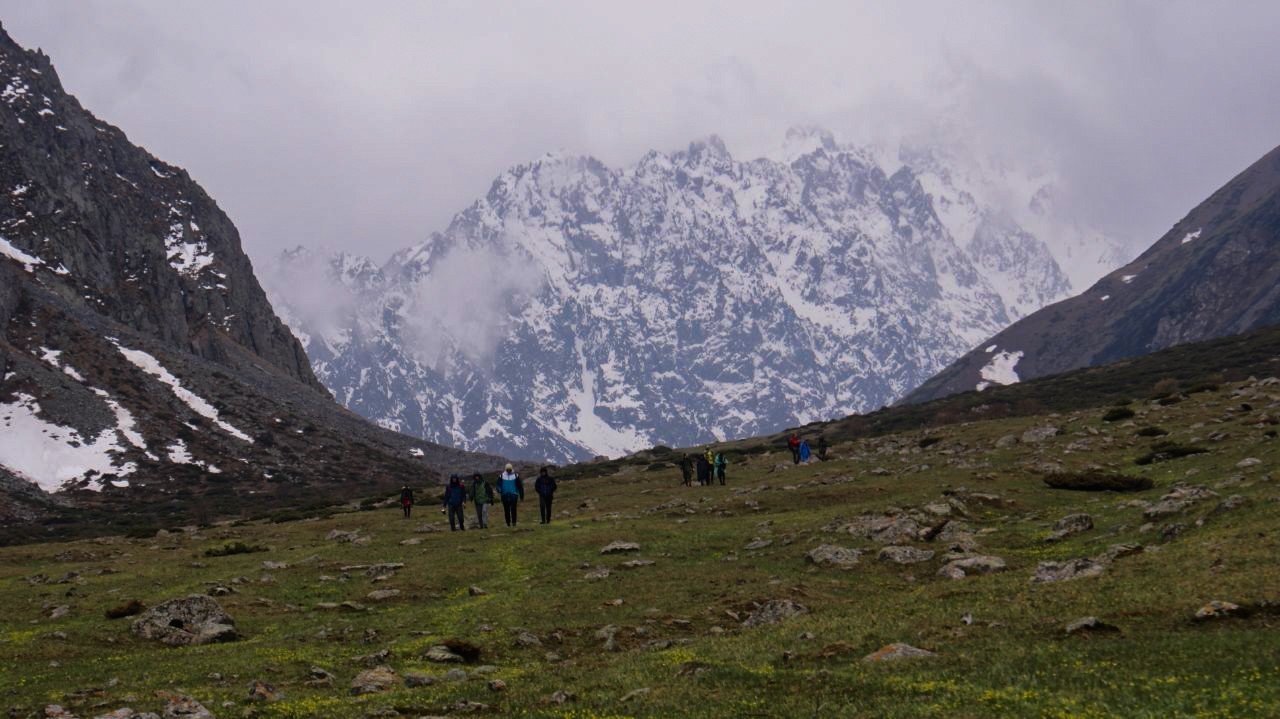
x: 455, y: 496
x: 511, y: 487
x: 545, y: 486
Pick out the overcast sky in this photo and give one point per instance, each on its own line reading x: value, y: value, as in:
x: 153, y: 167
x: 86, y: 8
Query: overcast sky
x: 367, y: 125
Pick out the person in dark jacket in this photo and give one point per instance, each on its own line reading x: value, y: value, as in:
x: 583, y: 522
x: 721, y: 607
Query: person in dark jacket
x: 545, y: 486
x: 511, y: 487
x: 406, y: 500
x: 720, y: 463
x: 481, y: 494
x: 822, y: 447
x: 704, y: 470
x: 686, y: 470
x: 455, y: 496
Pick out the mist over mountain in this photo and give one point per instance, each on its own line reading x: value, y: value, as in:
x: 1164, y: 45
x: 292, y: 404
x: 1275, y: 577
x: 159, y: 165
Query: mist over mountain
x: 579, y: 309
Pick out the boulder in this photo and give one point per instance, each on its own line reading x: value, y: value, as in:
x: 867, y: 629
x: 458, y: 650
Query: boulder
x: 263, y: 692
x: 381, y: 595
x: 774, y: 611
x: 177, y: 706
x: 1248, y: 462
x: 371, y: 681
x: 195, y: 619
x: 1006, y: 441
x: 1070, y: 525
x: 1230, y: 504
x: 1218, y: 609
x: 442, y: 654
x: 1047, y: 572
x: 895, y: 652
x: 619, y: 546
x: 904, y: 555
x: 831, y: 555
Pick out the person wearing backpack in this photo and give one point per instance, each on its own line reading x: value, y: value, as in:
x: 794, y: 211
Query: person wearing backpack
x: 545, y: 486
x: 686, y: 470
x: 481, y: 493
x: 822, y: 447
x: 406, y: 500
x: 793, y: 444
x: 704, y: 471
x: 511, y: 487
x: 455, y: 496
x: 720, y: 464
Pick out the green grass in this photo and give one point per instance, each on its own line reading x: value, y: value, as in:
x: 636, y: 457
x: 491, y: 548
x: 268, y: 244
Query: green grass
x: 1012, y: 660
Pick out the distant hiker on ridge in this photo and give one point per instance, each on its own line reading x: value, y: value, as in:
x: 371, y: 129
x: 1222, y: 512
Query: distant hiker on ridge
x: 545, y: 486
x: 481, y: 494
x: 406, y: 500
x: 511, y: 487
x: 455, y: 496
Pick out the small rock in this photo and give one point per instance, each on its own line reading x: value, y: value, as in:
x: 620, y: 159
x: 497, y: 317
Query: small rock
x: 1248, y: 462
x: 475, y: 591
x: 319, y: 676
x: 832, y: 555
x: 1071, y: 569
x: 619, y: 546
x: 968, y: 566
x: 442, y: 654
x: 413, y: 680
x: 636, y: 563
x: 497, y: 685
x: 774, y: 611
x: 381, y: 595
x: 371, y: 681
x: 184, y: 707
x: 263, y: 692
x: 758, y: 543
x: 895, y: 652
x: 411, y: 542
x: 1040, y: 434
x: 1006, y: 441
x: 597, y: 573
x: 275, y: 566
x: 636, y: 694
x: 455, y: 675
x: 527, y: 639
x: 1090, y: 625
x: 904, y: 555
x: 1218, y: 609
x: 1229, y: 504
x: 561, y: 696
x: 1070, y: 525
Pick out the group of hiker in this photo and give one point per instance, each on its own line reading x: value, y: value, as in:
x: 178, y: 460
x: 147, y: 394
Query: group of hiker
x: 800, y: 450
x: 708, y: 466
x: 478, y: 491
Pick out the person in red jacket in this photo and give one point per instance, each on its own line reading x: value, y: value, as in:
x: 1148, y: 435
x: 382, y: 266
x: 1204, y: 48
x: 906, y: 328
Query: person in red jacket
x: 793, y: 443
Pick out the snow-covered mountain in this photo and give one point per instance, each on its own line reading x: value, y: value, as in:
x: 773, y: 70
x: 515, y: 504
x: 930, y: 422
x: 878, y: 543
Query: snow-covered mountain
x: 578, y: 309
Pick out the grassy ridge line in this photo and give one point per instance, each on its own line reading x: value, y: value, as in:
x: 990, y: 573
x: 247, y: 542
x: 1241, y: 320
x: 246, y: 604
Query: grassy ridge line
x: 1012, y: 660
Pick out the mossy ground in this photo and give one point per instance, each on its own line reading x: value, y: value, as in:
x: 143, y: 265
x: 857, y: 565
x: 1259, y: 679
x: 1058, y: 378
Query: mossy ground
x: 1013, y: 659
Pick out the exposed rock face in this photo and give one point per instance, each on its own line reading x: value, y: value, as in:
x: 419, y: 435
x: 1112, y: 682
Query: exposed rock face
x: 195, y: 619
x: 1216, y: 273
x: 629, y: 305
x: 139, y: 356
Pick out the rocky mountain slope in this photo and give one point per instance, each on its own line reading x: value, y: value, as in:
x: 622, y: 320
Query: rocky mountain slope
x: 579, y: 309
x: 1215, y: 273
x: 141, y: 366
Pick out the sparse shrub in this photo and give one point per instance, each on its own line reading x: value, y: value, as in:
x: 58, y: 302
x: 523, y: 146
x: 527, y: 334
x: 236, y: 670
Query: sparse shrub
x: 1116, y: 414
x: 1165, y: 387
x: 128, y: 609
x: 1164, y: 451
x: 231, y: 548
x: 1152, y: 432
x: 926, y: 442
x: 1096, y: 480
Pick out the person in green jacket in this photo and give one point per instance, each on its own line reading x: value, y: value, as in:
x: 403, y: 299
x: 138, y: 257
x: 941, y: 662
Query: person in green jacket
x: 481, y: 493
x: 720, y: 464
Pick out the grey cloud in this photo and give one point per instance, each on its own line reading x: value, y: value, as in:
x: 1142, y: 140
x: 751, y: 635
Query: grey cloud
x: 366, y: 126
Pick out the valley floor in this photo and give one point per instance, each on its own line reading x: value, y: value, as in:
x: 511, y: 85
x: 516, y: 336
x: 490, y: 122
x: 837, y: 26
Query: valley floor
x: 675, y: 637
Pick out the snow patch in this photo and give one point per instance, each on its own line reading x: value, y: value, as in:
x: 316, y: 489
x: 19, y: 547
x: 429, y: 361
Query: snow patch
x: 1192, y: 236
x: 1000, y: 370
x: 28, y: 262
x: 1127, y: 278
x: 49, y: 454
x: 1104, y: 298
x: 152, y: 366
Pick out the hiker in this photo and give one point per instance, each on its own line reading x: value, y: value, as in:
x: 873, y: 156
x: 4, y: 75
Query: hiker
x: 711, y: 457
x: 704, y: 471
x: 406, y: 500
x: 455, y: 495
x: 720, y: 463
x: 686, y: 470
x: 481, y: 493
x: 545, y: 486
x: 822, y: 447
x: 793, y: 443
x: 804, y: 451
x: 511, y: 487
